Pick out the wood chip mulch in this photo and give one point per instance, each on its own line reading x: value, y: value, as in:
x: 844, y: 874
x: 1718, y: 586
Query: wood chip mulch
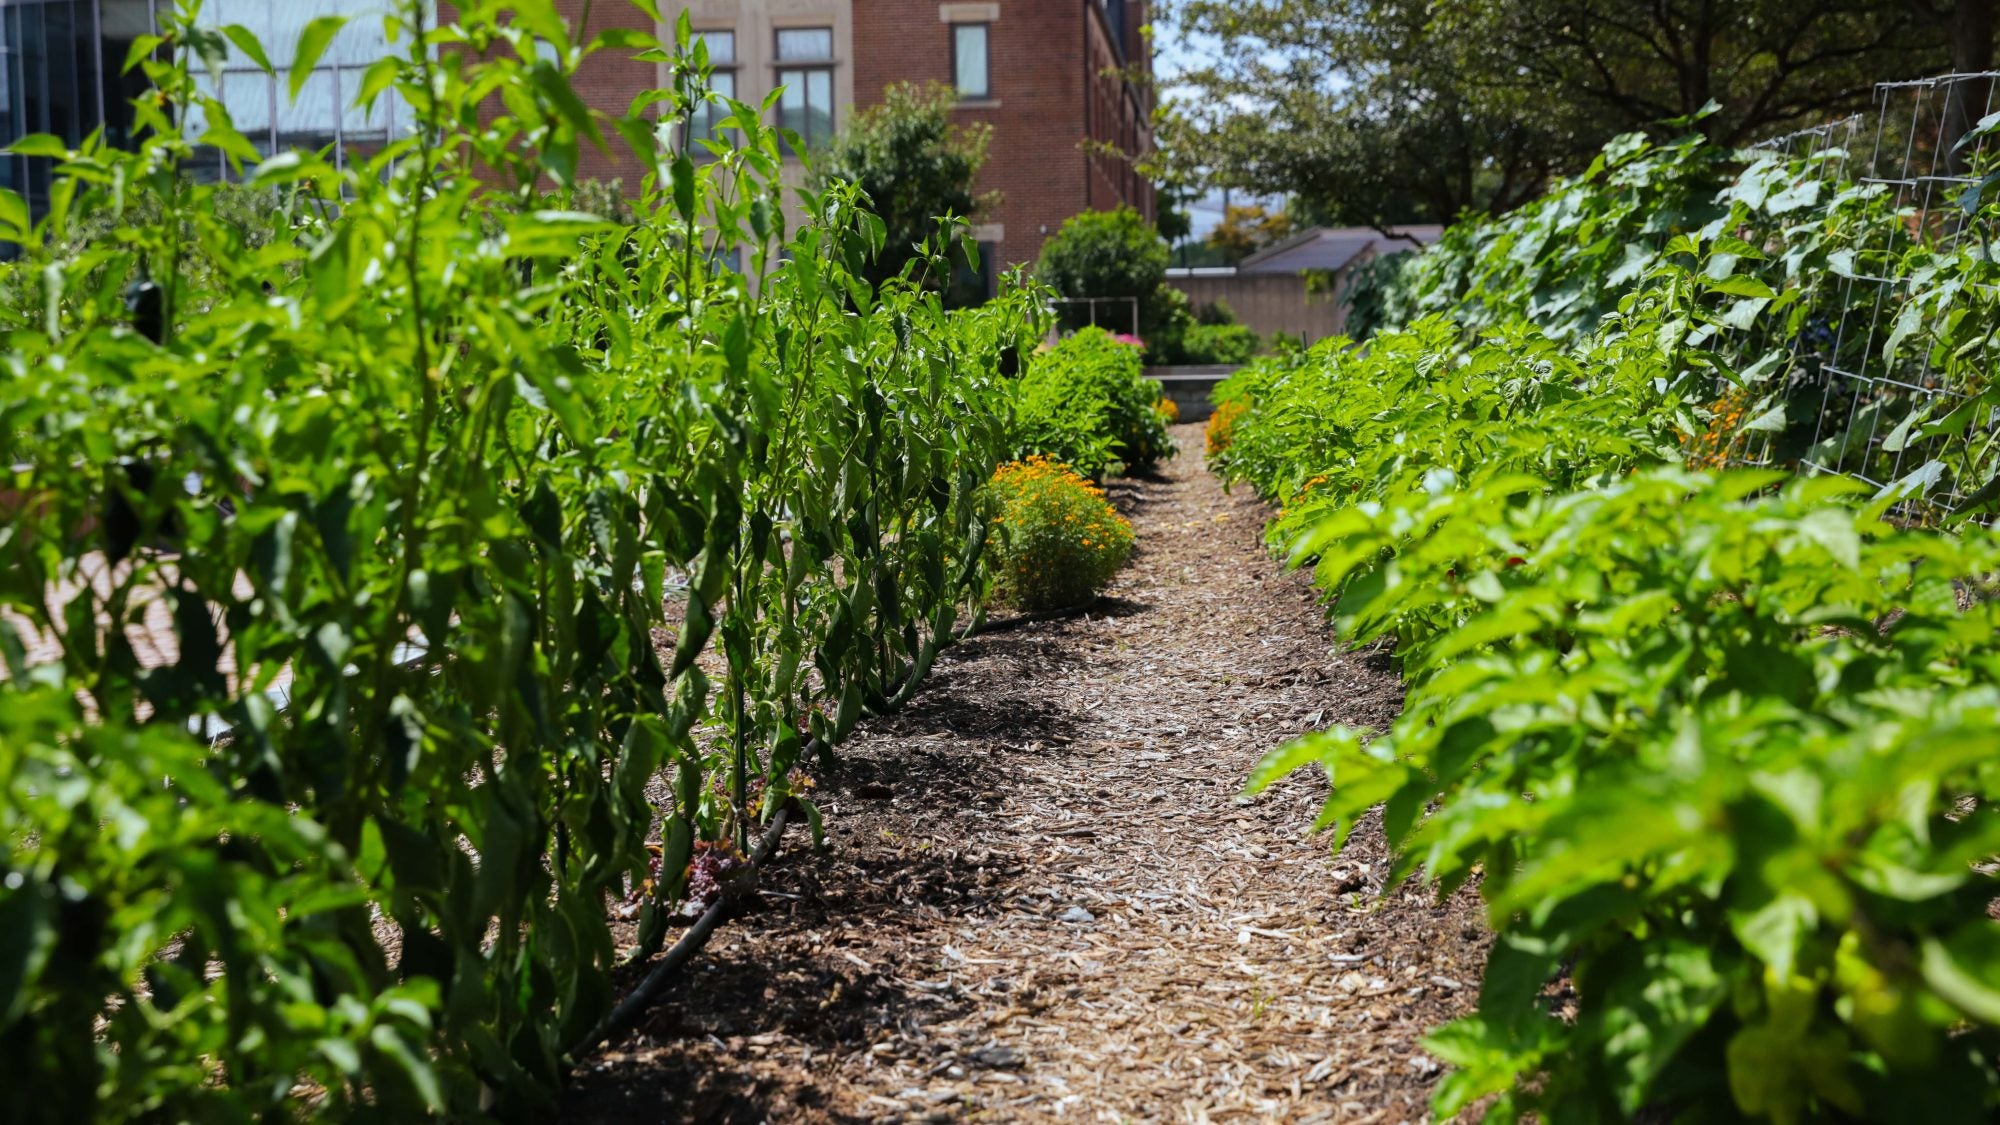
x: 1043, y: 901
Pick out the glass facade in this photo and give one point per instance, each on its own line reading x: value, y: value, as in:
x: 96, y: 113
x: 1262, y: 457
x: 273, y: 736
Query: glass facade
x: 59, y: 74
x: 61, y: 63
x: 805, y: 70
x: 968, y: 60
x: 260, y: 105
x: 722, y: 80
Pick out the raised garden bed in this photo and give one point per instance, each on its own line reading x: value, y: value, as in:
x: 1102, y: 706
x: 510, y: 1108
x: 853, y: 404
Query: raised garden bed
x: 1188, y: 386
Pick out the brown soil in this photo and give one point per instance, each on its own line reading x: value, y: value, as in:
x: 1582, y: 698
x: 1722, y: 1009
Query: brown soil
x: 1043, y: 901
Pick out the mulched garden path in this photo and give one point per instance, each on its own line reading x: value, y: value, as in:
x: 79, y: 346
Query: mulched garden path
x: 1042, y: 900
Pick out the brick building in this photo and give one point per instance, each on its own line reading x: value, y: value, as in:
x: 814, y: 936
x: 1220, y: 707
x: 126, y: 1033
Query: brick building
x: 1052, y: 77
x: 1061, y: 83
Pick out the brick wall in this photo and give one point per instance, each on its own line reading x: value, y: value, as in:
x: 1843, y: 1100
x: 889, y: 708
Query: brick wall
x: 1051, y: 93
x: 607, y: 81
x: 1047, y: 100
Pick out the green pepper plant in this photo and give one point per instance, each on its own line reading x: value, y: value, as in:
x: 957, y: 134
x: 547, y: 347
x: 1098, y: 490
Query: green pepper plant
x: 368, y: 558
x: 1714, y: 743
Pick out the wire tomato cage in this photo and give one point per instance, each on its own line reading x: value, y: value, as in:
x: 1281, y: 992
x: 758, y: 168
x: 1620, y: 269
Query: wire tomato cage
x: 1880, y: 371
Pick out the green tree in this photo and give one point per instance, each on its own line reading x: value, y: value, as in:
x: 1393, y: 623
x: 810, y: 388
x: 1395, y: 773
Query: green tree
x: 1768, y: 64
x: 1174, y: 223
x: 1388, y: 111
x: 1246, y: 229
x: 915, y: 166
x: 1969, y: 26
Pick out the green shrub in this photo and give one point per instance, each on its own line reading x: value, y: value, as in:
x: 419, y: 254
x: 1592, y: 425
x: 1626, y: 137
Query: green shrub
x: 1115, y: 254
x: 1087, y: 403
x: 125, y: 866
x: 1064, y: 422
x: 1215, y: 312
x: 914, y: 164
x: 1219, y: 343
x: 1058, y: 541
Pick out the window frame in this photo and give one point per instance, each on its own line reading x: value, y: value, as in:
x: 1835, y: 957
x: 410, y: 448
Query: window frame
x: 704, y: 126
x: 778, y: 38
x: 985, y: 30
x: 826, y: 64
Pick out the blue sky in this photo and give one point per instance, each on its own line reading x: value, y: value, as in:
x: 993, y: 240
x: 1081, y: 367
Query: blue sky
x: 1175, y: 53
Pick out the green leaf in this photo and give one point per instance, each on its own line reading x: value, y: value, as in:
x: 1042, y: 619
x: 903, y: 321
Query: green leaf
x: 1775, y: 931
x: 380, y: 75
x: 142, y: 48
x: 1740, y: 315
x: 1322, y: 746
x: 1908, y: 322
x: 1770, y: 421
x: 14, y: 221
x: 1485, y: 1061
x: 40, y: 145
x: 1964, y: 969
x: 27, y: 935
x: 682, y: 175
x: 251, y: 48
x: 1833, y: 529
x: 313, y: 42
x: 414, y: 1063
x: 544, y: 234
x: 1740, y: 285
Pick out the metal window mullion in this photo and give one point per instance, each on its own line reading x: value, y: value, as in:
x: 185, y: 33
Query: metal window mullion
x: 339, y: 125
x: 97, y: 46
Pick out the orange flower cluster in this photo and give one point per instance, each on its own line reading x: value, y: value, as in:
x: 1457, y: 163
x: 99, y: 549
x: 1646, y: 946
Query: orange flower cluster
x: 1168, y: 410
x: 1060, y: 540
x: 1222, y: 424
x: 1039, y: 468
x: 1711, y: 448
x: 1304, y: 491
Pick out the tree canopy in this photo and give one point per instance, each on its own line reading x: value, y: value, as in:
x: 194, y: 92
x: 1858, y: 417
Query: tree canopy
x: 1246, y: 229
x: 1389, y: 111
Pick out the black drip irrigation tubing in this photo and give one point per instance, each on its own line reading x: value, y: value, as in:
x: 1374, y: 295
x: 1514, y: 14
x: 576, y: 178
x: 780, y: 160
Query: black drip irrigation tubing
x: 636, y: 1003
x: 634, y: 1006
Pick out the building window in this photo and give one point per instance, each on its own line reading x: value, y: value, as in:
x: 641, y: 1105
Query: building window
x: 968, y: 60
x: 972, y: 283
x: 325, y: 113
x: 721, y: 80
x: 805, y: 44
x: 805, y: 70
x: 1114, y: 16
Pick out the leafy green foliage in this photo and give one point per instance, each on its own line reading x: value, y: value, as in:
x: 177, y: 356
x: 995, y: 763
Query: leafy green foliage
x: 1087, y: 403
x: 1059, y: 540
x: 1383, y: 112
x: 1716, y: 747
x: 403, y: 483
x: 134, y: 889
x: 1110, y: 254
x: 1566, y: 259
x: 1824, y: 314
x: 1219, y: 343
x: 914, y: 166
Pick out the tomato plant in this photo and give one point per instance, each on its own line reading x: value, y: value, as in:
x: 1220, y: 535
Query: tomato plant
x: 1716, y: 745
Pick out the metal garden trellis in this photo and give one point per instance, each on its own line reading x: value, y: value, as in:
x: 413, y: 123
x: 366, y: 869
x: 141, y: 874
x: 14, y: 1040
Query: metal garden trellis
x: 1872, y: 405
x: 1132, y: 304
